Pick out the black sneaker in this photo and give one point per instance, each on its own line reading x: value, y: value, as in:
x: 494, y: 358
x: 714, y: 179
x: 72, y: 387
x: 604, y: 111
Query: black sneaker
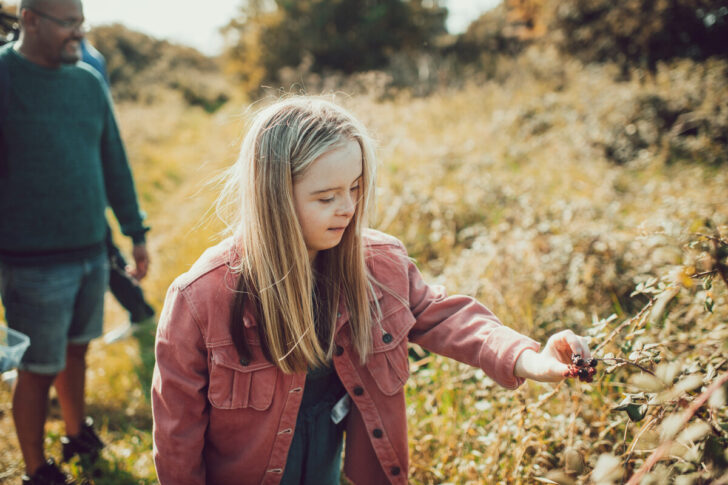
x: 86, y: 445
x: 48, y: 474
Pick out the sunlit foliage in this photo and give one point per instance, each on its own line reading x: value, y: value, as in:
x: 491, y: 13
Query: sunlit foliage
x: 345, y: 35
x: 559, y: 193
x: 142, y: 68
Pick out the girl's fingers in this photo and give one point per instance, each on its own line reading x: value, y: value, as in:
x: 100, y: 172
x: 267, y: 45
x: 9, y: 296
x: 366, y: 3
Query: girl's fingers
x: 558, y: 352
x: 578, y: 345
x: 559, y: 372
x: 562, y: 346
x: 555, y: 371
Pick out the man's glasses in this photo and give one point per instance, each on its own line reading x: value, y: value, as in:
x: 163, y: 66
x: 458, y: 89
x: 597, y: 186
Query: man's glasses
x: 70, y: 24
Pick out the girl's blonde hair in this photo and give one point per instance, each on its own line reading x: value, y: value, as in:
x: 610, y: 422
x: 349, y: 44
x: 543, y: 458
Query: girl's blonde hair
x: 276, y: 277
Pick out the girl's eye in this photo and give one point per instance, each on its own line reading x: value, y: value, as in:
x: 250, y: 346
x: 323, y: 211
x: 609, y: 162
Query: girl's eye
x: 354, y: 189
x: 327, y: 200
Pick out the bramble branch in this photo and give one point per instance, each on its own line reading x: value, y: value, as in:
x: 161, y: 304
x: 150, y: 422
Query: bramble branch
x: 665, y: 446
x: 629, y: 362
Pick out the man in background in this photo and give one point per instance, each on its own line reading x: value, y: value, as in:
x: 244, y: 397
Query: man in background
x: 64, y: 159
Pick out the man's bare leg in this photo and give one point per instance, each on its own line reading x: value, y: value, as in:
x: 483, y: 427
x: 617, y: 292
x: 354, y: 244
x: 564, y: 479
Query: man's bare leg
x: 70, y: 385
x: 30, y: 408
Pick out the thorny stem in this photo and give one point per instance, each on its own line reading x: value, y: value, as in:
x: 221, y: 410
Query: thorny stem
x: 704, y: 273
x: 629, y: 362
x: 636, y: 439
x: 625, y: 323
x: 715, y: 239
x: 665, y: 446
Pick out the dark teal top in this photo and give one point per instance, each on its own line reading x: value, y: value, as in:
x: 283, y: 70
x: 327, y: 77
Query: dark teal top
x: 65, y: 160
x: 315, y: 454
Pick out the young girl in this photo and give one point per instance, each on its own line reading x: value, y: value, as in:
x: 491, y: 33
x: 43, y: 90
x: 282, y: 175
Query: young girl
x: 295, y: 329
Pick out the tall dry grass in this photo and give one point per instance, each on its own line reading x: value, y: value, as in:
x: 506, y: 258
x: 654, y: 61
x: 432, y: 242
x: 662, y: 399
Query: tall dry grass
x: 501, y: 190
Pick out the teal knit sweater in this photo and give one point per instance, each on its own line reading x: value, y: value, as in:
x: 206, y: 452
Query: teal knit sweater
x: 66, y: 162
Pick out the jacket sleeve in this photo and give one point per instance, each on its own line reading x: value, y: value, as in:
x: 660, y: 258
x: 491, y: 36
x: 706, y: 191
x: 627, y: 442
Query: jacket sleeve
x: 179, y: 399
x: 463, y: 329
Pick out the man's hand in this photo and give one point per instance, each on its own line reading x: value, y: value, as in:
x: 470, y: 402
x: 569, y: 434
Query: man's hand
x: 552, y: 363
x: 141, y: 261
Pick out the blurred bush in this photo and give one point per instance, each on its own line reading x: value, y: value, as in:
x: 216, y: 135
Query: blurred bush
x: 688, y: 121
x: 317, y: 35
x: 8, y: 23
x: 641, y: 32
x: 487, y: 39
x: 142, y: 68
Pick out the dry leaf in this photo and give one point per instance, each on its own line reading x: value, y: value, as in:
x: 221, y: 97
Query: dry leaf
x: 694, y: 432
x: 671, y: 426
x: 646, y: 382
x: 607, y: 470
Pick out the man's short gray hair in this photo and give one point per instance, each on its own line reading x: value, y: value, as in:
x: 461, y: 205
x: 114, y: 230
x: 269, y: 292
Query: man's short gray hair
x: 30, y: 4
x: 34, y: 3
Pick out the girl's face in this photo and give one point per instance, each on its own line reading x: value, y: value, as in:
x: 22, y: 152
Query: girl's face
x: 325, y: 197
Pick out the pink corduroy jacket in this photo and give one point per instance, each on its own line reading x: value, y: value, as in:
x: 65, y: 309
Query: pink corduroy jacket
x: 218, y: 420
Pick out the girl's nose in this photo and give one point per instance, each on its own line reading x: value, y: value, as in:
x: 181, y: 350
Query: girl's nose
x: 348, y: 205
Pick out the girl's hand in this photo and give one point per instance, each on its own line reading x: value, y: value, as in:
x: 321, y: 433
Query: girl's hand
x: 552, y: 363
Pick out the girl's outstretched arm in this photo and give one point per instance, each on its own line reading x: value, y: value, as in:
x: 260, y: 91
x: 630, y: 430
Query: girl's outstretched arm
x: 552, y: 363
x: 461, y: 328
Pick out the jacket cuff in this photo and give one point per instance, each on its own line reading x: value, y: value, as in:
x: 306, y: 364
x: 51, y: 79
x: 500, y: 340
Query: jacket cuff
x: 500, y: 352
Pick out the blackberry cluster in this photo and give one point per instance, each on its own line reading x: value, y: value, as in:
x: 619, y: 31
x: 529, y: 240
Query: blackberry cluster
x: 582, y: 368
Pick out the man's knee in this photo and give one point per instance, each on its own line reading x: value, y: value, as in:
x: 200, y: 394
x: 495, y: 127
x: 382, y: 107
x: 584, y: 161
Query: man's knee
x: 76, y: 351
x: 34, y: 380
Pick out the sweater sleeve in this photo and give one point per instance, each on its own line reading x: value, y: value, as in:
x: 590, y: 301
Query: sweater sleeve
x: 118, y: 181
x: 179, y: 400
x: 463, y: 329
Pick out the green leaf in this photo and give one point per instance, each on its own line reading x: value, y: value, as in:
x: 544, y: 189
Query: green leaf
x: 636, y: 412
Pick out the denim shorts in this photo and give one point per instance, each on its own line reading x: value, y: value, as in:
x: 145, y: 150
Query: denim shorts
x: 55, y: 305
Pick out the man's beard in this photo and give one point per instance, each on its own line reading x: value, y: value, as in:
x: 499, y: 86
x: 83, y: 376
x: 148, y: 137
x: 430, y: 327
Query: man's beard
x: 71, y: 57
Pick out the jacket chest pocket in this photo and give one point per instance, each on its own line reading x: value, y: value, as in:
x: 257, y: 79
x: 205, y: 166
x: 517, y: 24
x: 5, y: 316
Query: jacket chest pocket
x: 389, y: 362
x: 235, y: 386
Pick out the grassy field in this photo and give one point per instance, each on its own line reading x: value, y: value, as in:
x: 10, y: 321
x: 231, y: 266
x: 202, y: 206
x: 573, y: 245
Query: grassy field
x: 501, y: 190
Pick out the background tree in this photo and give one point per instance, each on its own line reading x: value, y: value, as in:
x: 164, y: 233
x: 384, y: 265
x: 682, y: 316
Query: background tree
x: 344, y: 35
x: 642, y: 32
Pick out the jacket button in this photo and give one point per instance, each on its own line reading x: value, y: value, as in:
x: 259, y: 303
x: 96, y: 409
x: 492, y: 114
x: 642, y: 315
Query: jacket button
x: 387, y: 338
x: 378, y: 433
x: 358, y: 391
x: 395, y: 470
x: 339, y: 350
x: 244, y: 362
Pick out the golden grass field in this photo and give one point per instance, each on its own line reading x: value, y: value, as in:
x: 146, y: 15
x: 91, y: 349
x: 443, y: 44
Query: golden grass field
x: 500, y: 190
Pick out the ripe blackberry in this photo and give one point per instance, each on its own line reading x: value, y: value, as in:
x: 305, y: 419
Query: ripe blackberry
x: 572, y: 371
